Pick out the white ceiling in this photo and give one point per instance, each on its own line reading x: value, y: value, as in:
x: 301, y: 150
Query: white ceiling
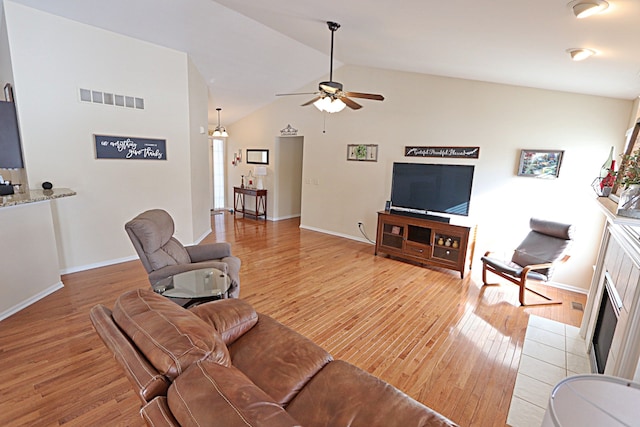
x: 249, y: 50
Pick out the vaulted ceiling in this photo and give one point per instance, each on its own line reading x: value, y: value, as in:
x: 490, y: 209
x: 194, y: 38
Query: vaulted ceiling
x: 249, y: 50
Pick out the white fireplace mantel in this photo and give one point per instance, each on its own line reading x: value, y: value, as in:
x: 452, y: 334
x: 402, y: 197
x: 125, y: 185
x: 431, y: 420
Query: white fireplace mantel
x: 619, y: 259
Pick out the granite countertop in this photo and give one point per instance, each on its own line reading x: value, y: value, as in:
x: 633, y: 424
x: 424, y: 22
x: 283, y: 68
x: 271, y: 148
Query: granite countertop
x: 35, y: 195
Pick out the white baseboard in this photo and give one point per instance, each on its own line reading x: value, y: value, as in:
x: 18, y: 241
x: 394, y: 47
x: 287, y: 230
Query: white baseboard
x: 201, y: 238
x: 568, y: 287
x: 37, y: 297
x: 97, y: 264
x: 282, y: 218
x: 333, y: 233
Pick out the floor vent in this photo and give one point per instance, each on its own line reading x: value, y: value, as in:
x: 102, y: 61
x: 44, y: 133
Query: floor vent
x: 577, y: 306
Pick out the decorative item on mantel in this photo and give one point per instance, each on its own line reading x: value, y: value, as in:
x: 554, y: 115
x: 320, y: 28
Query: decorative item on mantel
x: 605, y: 182
x: 628, y: 178
x: 288, y: 131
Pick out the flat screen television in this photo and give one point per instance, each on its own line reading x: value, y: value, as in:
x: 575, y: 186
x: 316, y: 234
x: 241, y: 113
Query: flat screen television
x: 422, y: 188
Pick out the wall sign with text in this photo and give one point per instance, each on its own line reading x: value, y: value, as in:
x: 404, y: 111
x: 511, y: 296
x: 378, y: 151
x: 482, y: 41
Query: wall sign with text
x: 128, y: 147
x: 451, y: 152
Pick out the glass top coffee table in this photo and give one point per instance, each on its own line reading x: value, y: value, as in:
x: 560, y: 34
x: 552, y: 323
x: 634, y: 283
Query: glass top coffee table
x: 195, y: 286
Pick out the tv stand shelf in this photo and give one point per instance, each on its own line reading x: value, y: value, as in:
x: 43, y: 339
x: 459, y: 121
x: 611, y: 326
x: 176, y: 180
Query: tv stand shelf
x: 425, y: 241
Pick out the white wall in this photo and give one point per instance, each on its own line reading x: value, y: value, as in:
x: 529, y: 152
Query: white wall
x: 52, y: 58
x: 6, y: 75
x: 201, y: 184
x: 428, y: 110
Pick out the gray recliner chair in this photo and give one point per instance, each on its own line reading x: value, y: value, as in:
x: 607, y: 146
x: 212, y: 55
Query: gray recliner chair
x: 162, y: 255
x: 535, y: 258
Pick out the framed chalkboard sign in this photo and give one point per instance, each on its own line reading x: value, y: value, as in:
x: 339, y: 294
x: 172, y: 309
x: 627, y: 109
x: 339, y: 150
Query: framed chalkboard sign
x: 129, y: 147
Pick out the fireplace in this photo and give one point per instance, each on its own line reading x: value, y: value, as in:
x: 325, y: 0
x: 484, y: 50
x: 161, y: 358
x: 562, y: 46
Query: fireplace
x: 611, y: 322
x: 605, y: 324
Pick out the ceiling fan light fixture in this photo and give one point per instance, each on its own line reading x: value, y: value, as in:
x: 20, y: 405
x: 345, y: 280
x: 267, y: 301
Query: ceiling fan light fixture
x: 585, y: 8
x: 329, y: 105
x: 335, y: 106
x: 219, y: 131
x: 580, y: 54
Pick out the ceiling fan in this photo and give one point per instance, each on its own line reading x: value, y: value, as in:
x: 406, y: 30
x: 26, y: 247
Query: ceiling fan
x: 330, y: 96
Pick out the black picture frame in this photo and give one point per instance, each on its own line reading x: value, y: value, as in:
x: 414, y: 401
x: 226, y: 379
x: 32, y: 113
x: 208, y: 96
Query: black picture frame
x: 257, y: 156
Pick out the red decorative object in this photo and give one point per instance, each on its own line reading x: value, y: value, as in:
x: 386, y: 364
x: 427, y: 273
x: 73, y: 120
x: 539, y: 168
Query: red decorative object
x: 610, y: 179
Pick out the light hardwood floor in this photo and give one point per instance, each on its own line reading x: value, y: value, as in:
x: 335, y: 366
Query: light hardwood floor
x: 449, y: 343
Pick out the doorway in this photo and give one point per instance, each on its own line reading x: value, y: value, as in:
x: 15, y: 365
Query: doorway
x: 288, y: 203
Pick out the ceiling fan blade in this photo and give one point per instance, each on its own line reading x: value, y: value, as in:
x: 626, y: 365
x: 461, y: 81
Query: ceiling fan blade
x: 351, y: 103
x: 311, y: 102
x: 372, y: 96
x: 297, y: 93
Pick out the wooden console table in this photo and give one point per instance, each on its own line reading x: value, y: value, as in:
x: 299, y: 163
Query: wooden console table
x: 239, y: 194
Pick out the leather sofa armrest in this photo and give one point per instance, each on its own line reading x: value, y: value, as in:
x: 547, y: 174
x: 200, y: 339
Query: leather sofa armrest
x: 147, y: 381
x: 230, y: 317
x: 210, y: 251
x: 157, y: 414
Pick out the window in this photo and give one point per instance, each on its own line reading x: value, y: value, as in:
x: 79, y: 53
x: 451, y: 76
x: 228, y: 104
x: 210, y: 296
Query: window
x: 218, y: 174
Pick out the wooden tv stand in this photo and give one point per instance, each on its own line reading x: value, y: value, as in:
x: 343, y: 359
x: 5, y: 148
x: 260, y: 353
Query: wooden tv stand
x: 425, y: 241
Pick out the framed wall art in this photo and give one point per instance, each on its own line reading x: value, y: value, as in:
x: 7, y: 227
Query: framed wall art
x: 450, y: 152
x: 362, y: 152
x: 540, y: 163
x: 129, y: 147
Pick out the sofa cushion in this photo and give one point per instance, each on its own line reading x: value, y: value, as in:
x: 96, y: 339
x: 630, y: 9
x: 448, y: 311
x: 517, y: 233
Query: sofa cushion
x: 212, y: 394
x: 230, y: 317
x: 277, y: 359
x: 169, y: 336
x: 342, y: 395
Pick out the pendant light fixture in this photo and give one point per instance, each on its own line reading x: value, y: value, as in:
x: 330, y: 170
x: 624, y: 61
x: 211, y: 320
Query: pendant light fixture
x: 219, y: 131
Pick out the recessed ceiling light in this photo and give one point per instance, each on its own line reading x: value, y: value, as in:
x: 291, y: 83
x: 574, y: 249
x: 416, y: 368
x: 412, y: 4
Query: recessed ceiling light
x: 585, y: 8
x: 580, y: 54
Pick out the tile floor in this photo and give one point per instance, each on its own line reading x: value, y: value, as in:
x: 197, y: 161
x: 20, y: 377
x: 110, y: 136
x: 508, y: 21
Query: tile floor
x: 552, y: 351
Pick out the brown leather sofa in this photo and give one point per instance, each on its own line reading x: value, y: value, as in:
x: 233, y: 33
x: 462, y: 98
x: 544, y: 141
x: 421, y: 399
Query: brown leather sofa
x: 223, y: 364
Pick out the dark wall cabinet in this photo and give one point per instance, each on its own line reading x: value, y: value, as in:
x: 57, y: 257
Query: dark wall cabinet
x: 10, y: 149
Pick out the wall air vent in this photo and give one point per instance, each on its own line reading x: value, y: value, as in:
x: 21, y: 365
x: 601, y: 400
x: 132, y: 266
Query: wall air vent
x: 99, y: 97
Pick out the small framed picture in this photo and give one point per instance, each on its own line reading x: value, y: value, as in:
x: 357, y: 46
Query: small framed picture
x: 362, y: 152
x: 540, y: 163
